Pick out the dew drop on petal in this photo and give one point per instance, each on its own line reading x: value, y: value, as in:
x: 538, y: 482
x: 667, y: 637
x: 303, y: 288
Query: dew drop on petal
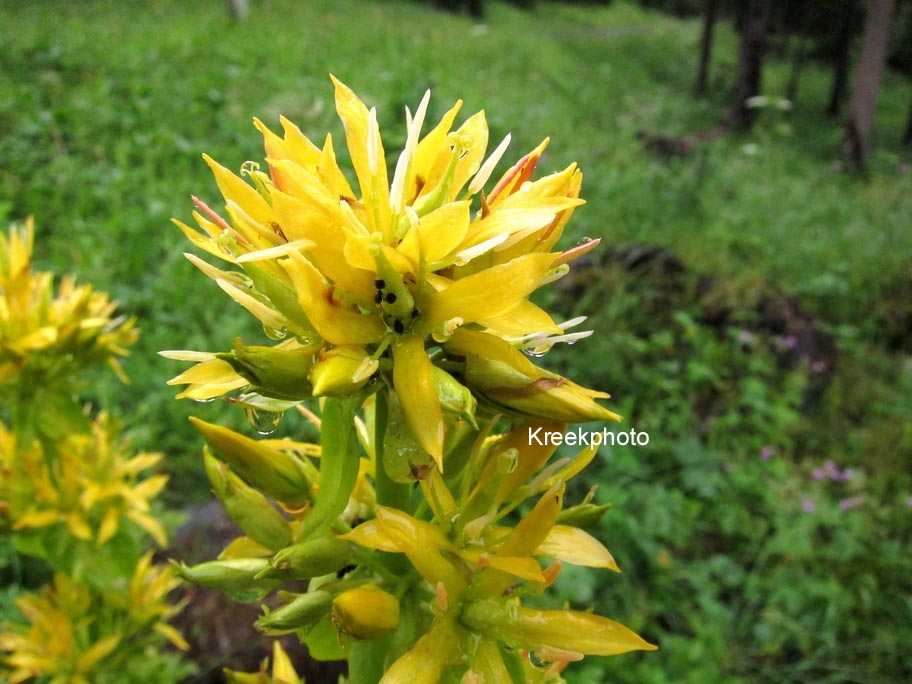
x: 537, y: 352
x: 264, y: 422
x: 205, y: 401
x: 275, y: 333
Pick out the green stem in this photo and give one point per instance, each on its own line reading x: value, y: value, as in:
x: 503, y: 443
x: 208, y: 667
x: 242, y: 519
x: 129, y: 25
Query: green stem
x: 366, y: 659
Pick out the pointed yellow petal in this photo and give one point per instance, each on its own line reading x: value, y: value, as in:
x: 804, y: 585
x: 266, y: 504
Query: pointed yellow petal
x: 234, y: 188
x: 576, y: 546
x: 414, y: 384
x: 489, y: 293
x: 98, y: 651
x: 439, y: 233
x: 211, y: 372
x: 525, y: 318
x: 365, y: 148
x: 333, y: 322
x: 282, y: 669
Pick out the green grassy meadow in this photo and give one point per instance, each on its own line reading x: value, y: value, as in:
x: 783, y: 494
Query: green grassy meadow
x: 106, y: 107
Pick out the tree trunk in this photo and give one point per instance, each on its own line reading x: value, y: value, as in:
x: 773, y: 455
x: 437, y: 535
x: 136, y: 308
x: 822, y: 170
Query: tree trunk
x: 841, y: 63
x: 238, y: 9
x: 907, y: 136
x: 799, y: 59
x: 867, y: 81
x: 709, y: 23
x: 750, y: 61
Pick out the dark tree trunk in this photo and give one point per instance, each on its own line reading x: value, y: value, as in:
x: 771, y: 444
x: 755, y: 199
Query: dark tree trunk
x: 907, y: 136
x: 841, y: 63
x: 867, y: 81
x: 706, y: 41
x: 750, y: 60
x: 799, y: 60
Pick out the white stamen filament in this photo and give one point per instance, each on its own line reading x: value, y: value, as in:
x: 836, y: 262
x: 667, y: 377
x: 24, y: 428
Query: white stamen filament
x: 276, y: 252
x: 186, y: 355
x: 465, y: 256
x: 413, y: 126
x: 484, y: 173
x: 373, y: 135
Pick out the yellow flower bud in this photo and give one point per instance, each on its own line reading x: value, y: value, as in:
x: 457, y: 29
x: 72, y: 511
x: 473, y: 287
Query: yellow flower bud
x: 277, y: 473
x: 366, y: 612
x: 342, y: 370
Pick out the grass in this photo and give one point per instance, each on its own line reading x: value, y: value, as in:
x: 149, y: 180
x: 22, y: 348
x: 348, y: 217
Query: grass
x: 107, y: 107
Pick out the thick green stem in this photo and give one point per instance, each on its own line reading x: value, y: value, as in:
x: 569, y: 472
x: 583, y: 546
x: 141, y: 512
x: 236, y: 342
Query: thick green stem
x: 366, y: 659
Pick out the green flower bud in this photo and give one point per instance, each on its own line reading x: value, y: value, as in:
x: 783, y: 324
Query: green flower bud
x: 342, y: 370
x: 302, y: 611
x: 454, y: 396
x: 311, y: 558
x: 247, y: 507
x: 584, y: 515
x: 273, y: 372
x: 366, y: 612
x: 235, y: 576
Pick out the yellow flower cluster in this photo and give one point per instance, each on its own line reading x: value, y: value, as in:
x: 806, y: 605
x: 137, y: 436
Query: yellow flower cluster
x: 402, y: 302
x: 45, y: 336
x: 88, y: 482
x: 421, y: 281
x: 73, y: 631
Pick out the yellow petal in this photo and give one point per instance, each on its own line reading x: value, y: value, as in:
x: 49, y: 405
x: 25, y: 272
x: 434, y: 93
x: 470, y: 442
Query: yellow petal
x: 366, y: 150
x: 211, y: 372
x: 98, y: 651
x: 334, y: 323
x: 425, y: 662
x: 282, y: 670
x: 414, y: 384
x: 489, y: 293
x: 576, y: 546
x: 438, y: 234
x: 525, y: 318
x: 234, y: 188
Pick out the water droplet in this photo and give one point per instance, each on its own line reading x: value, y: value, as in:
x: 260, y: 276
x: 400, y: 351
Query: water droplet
x: 583, y: 241
x: 205, y: 401
x: 537, y: 352
x: 275, y: 333
x: 264, y: 422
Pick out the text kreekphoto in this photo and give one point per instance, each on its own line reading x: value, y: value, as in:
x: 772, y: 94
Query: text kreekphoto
x: 580, y: 437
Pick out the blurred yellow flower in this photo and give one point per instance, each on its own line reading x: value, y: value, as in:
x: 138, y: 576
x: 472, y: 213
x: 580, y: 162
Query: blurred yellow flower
x: 45, y: 336
x: 88, y: 482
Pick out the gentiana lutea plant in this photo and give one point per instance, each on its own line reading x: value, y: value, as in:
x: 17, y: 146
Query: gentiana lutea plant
x: 423, y: 515
x: 73, y: 494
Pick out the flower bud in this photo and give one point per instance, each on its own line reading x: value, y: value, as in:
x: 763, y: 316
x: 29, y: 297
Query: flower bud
x: 366, y: 612
x: 513, y: 384
x: 273, y: 372
x: 302, y: 611
x: 583, y: 516
x: 342, y: 370
x: 508, y: 621
x: 454, y: 396
x: 252, y: 512
x: 277, y: 473
x: 235, y: 576
x: 311, y: 558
